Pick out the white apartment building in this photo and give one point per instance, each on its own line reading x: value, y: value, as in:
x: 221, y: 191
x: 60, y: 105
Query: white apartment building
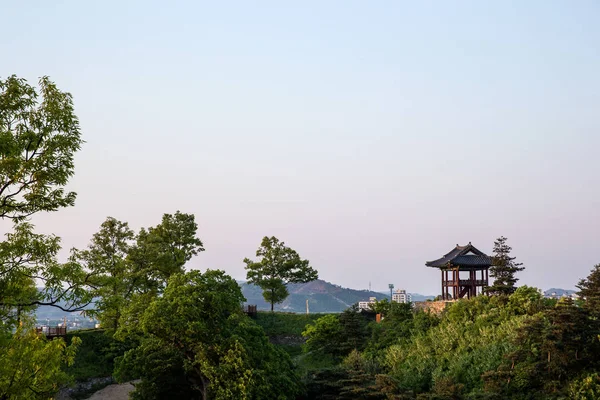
x: 366, y: 305
x: 400, y: 296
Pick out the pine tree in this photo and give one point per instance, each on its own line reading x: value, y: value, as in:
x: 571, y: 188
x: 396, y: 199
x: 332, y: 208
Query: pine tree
x: 589, y: 291
x: 359, y: 380
x: 354, y: 328
x: 565, y: 346
x: 548, y: 349
x: 503, y: 269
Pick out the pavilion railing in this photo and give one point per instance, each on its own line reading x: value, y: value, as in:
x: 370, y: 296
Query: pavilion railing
x: 466, y: 282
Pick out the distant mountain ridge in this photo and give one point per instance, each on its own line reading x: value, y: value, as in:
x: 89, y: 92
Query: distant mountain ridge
x: 322, y: 296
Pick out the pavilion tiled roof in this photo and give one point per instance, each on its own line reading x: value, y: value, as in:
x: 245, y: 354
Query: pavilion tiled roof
x: 462, y: 256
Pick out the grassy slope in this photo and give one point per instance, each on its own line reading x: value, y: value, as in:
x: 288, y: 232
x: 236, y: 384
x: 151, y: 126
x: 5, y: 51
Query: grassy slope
x: 285, y: 331
x: 284, y: 324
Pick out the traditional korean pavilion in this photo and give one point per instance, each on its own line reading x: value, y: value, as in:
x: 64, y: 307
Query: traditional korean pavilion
x: 460, y: 269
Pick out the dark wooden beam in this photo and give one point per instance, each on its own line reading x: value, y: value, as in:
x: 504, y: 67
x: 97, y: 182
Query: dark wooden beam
x: 442, y: 271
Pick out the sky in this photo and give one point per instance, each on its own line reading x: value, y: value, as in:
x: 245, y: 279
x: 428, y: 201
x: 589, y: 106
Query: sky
x: 370, y: 137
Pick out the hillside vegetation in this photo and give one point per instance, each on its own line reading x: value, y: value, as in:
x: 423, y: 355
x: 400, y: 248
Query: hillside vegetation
x: 284, y: 324
x: 520, y: 346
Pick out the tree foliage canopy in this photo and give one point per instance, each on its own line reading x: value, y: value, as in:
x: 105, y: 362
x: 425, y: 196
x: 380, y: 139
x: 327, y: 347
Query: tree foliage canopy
x: 125, y: 271
x: 31, y: 366
x: 39, y: 135
x: 278, y: 266
x: 110, y: 279
x: 198, y: 344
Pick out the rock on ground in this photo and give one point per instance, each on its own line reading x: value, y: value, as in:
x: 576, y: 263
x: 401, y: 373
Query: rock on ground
x: 114, y: 392
x: 67, y: 393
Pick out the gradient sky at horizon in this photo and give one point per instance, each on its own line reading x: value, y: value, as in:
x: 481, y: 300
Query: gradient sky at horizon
x: 369, y: 136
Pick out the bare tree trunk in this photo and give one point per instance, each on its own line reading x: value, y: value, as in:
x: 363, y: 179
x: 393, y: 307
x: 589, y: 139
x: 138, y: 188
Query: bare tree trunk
x: 204, y: 389
x: 272, y: 301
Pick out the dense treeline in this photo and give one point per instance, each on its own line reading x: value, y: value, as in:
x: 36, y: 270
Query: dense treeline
x: 520, y: 346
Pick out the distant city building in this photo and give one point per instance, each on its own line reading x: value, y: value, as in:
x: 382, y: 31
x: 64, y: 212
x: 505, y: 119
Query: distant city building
x: 556, y: 295
x: 400, y: 296
x: 366, y: 305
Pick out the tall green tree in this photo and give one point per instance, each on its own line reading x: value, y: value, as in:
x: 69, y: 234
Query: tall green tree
x: 124, y: 268
x: 589, y: 291
x: 156, y: 254
x: 110, y: 272
x: 39, y: 135
x: 163, y: 250
x: 197, y: 344
x: 278, y: 266
x: 503, y: 269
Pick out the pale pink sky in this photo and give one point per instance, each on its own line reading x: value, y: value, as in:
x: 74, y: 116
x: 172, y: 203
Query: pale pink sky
x: 369, y: 137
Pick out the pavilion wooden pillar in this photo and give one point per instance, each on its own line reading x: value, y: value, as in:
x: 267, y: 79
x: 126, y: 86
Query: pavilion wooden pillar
x: 482, y: 281
x: 471, y: 283
x: 446, y: 297
x: 443, y: 295
x: 454, y: 283
x: 457, y: 282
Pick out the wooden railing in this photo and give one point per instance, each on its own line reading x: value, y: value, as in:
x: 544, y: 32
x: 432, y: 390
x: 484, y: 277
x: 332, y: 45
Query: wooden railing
x: 52, y: 331
x: 466, y: 282
x: 251, y: 310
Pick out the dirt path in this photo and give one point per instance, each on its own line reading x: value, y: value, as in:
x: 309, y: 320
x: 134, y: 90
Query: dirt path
x: 114, y: 392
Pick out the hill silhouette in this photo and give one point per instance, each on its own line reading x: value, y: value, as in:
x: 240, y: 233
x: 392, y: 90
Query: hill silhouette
x: 322, y: 296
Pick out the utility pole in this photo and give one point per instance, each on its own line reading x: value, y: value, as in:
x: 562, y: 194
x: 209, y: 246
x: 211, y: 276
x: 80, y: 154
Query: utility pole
x: 306, y: 306
x: 391, y: 286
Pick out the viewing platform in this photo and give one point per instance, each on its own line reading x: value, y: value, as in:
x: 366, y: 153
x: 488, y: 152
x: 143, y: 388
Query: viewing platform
x: 251, y: 310
x: 52, y: 331
x: 460, y: 263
